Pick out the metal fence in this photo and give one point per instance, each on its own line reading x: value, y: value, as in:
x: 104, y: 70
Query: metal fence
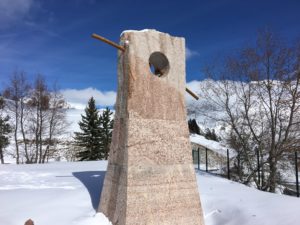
x: 202, y: 160
x: 208, y: 161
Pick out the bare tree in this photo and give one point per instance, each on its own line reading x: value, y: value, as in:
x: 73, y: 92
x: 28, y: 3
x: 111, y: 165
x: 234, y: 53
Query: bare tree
x: 40, y: 102
x: 56, y: 120
x: 17, y: 92
x: 257, y: 96
x: 5, y: 129
x: 38, y: 117
x: 47, y: 121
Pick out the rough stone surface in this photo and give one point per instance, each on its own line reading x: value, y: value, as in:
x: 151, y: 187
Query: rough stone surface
x: 150, y: 177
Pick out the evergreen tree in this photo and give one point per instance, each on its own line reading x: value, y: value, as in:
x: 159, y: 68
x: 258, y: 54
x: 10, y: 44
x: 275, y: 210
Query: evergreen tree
x: 193, y: 127
x: 89, y: 139
x: 106, y: 131
x: 5, y: 129
x: 211, y: 135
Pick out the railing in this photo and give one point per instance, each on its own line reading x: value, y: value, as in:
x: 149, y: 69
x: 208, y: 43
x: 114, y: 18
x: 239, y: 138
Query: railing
x: 219, y: 167
x: 202, y: 161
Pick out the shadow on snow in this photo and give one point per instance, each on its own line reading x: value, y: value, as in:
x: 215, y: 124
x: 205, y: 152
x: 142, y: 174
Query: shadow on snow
x: 93, y: 181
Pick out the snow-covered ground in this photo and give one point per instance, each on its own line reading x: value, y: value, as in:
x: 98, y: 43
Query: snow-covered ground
x: 215, y: 146
x: 229, y: 203
x: 68, y: 194
x: 55, y: 193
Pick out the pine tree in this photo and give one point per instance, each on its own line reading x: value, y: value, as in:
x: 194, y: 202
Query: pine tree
x: 211, y: 135
x: 106, y: 131
x: 193, y: 127
x: 89, y: 139
x: 5, y: 129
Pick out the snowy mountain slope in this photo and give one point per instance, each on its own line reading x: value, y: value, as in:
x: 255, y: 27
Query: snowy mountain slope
x: 198, y: 109
x: 73, y: 117
x: 68, y: 194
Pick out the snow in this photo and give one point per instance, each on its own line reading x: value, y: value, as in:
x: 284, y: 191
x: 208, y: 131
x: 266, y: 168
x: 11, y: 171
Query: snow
x: 141, y: 31
x: 212, y: 145
x: 64, y: 193
x: 73, y: 118
x: 208, y: 114
x: 98, y: 219
x: 55, y: 193
x: 138, y: 31
x: 228, y: 202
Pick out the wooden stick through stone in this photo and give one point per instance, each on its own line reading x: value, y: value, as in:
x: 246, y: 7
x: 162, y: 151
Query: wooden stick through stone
x: 96, y: 36
x: 108, y: 42
x: 192, y: 93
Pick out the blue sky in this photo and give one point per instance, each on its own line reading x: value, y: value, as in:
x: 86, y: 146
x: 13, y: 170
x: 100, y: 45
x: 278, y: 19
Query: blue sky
x: 52, y: 37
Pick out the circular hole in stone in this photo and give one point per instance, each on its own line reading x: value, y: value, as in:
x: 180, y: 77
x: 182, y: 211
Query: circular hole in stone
x: 159, y: 64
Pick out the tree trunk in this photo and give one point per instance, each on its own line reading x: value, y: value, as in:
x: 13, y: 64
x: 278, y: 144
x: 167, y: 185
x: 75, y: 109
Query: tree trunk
x: 262, y: 171
x: 46, y: 154
x: 23, y: 134
x: 37, y: 137
x: 272, y: 176
x: 239, y: 166
x: 40, y: 137
x: 1, y: 156
x: 16, y: 143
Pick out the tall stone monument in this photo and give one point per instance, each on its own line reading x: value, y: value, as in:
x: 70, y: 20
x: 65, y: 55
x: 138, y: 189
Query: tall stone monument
x: 150, y: 177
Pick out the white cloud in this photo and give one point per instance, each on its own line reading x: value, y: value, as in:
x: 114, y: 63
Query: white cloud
x: 78, y: 98
x: 194, y: 85
x: 13, y: 10
x: 190, y: 53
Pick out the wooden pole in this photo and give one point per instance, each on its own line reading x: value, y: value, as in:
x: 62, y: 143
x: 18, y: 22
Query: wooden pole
x: 192, y: 93
x: 96, y: 36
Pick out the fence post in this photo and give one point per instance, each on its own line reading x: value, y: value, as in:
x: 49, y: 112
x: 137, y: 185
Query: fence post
x: 296, y: 168
x: 206, y: 166
x: 228, y: 165
x: 258, y: 168
x: 198, y: 159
